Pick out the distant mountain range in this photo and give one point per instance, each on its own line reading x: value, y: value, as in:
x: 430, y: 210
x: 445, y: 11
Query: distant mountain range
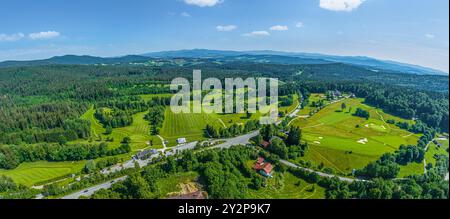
x: 371, y: 63
x: 262, y: 56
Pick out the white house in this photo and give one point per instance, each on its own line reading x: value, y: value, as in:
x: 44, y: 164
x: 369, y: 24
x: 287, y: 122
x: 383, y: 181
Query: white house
x: 182, y: 141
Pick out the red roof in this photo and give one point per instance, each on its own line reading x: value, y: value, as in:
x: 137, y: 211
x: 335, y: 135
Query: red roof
x: 261, y: 165
x: 268, y: 168
x: 258, y: 166
x: 260, y: 160
x: 265, y: 144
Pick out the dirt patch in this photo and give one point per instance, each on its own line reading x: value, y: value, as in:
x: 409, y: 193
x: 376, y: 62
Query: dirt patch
x: 186, y: 188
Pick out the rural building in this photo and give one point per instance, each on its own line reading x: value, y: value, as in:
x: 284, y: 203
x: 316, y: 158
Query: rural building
x: 181, y: 141
x: 264, y: 168
x: 145, y: 154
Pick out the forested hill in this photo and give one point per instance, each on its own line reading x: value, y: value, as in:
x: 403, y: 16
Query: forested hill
x: 265, y: 56
x: 76, y: 60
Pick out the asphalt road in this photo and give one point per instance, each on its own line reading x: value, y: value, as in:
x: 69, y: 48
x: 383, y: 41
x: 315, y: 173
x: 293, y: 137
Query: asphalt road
x: 90, y: 191
x: 287, y: 163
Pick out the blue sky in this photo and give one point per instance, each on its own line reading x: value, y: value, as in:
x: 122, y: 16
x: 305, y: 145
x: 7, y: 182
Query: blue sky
x: 411, y: 31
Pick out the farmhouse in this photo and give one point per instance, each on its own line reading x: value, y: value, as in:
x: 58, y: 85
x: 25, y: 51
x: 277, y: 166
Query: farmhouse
x: 264, y: 168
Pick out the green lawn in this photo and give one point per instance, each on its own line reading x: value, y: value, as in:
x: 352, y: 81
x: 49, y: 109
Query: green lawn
x: 411, y: 169
x: 345, y: 142
x: 185, y: 125
x: 31, y: 173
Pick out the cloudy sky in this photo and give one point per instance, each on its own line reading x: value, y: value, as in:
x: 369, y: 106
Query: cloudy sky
x: 411, y: 31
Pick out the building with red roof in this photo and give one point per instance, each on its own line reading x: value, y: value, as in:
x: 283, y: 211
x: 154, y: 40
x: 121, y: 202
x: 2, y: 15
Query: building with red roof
x: 265, y: 168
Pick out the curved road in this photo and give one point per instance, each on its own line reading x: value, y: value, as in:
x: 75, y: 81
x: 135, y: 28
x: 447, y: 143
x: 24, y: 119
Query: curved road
x: 345, y: 179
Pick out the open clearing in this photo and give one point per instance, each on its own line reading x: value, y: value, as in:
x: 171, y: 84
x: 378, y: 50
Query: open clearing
x: 178, y: 184
x: 345, y: 142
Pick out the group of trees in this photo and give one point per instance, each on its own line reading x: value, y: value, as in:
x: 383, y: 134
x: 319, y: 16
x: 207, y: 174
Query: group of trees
x: 11, y: 190
x: 286, y: 100
x: 113, y: 118
x: 233, y: 130
x: 386, y: 167
x: 11, y: 155
x: 155, y: 116
x: 47, y: 122
x: 287, y: 146
x: 91, y: 166
x: 362, y: 113
x: 70, y: 130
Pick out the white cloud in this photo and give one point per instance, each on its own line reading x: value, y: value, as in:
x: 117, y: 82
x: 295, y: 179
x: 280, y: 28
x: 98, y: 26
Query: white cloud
x: 429, y: 35
x: 11, y: 37
x: 299, y: 25
x: 279, y: 28
x: 340, y: 5
x: 203, y: 3
x: 256, y: 34
x: 185, y: 14
x: 226, y: 28
x: 44, y: 35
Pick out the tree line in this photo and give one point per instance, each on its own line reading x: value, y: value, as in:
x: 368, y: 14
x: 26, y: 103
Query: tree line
x: 12, y: 156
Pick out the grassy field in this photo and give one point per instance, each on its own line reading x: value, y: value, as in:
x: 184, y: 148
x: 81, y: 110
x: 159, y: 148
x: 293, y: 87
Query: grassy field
x: 314, y: 97
x: 138, y: 131
x: 287, y: 186
x: 345, y: 142
x: 147, y: 97
x: 29, y: 174
x: 411, y: 169
x: 185, y: 125
x: 192, y: 125
x: 434, y: 149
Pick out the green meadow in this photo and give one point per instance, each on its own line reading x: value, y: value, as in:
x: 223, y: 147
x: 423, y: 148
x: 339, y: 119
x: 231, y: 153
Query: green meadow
x: 30, y: 174
x: 314, y: 97
x: 344, y: 142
